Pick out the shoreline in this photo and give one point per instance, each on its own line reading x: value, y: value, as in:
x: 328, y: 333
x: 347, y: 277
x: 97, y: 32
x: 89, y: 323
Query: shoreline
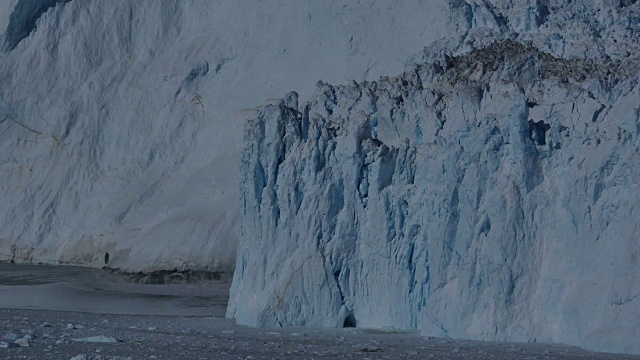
x: 192, y: 315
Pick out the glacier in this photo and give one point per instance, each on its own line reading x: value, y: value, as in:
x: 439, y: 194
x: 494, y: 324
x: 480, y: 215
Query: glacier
x: 471, y: 174
x: 487, y: 192
x: 121, y: 126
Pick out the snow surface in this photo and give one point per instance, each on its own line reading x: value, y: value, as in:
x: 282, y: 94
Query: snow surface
x: 488, y: 195
x: 121, y: 121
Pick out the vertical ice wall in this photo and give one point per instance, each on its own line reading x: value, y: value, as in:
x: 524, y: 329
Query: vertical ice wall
x: 121, y: 121
x: 489, y: 195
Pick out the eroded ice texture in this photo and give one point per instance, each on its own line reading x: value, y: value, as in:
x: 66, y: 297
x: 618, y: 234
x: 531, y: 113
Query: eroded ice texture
x: 121, y: 120
x: 489, y: 195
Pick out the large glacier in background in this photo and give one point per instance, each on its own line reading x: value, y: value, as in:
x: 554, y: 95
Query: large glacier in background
x: 489, y: 193
x: 121, y: 120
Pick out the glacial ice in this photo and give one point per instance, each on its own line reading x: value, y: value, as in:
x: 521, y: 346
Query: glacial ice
x: 121, y: 120
x: 486, y: 192
x: 489, y: 195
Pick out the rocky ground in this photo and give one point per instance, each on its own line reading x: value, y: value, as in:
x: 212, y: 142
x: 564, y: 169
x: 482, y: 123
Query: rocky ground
x: 74, y: 313
x: 68, y: 335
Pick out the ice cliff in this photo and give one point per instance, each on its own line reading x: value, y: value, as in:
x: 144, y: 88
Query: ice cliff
x: 121, y: 120
x: 488, y: 192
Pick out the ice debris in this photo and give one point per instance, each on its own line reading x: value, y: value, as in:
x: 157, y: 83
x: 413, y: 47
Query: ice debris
x: 98, y: 339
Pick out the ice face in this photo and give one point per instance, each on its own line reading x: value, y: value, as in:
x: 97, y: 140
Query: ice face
x: 483, y: 196
x: 121, y: 122
x: 488, y: 192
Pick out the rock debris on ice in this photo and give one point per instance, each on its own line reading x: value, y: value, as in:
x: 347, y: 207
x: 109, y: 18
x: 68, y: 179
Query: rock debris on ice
x: 99, y: 357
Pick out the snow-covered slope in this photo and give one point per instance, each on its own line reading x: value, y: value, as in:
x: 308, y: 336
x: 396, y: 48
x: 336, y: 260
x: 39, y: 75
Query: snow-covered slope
x: 489, y: 194
x: 121, y: 120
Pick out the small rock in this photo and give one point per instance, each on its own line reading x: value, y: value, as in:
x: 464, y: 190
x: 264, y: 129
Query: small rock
x: 372, y: 349
x: 45, y: 325
x: 23, y: 342
x: 80, y: 357
x: 11, y: 336
x: 98, y: 339
x: 6, y: 345
x: 152, y: 328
